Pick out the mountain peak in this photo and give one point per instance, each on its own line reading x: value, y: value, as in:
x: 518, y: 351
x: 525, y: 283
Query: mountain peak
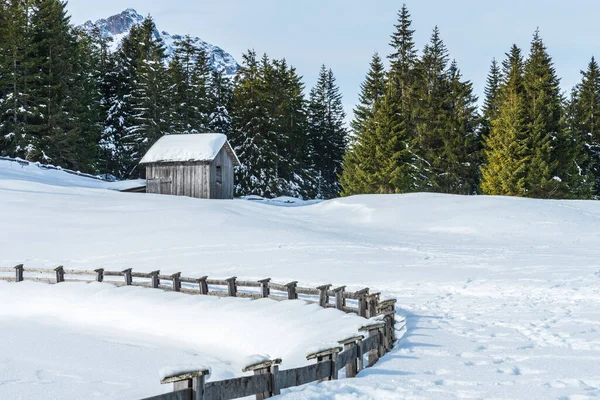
x: 118, y: 26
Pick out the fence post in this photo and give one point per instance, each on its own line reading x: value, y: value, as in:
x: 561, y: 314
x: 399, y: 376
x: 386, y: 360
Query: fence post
x: 60, y: 274
x: 231, y: 288
x: 291, y: 289
x: 374, y: 330
x: 340, y: 302
x: 362, y: 302
x: 387, y: 308
x: 128, y: 278
x: 203, y: 284
x: 99, y: 274
x: 266, y: 367
x: 327, y: 355
x: 372, y: 301
x: 19, y: 273
x: 352, y: 367
x: 264, y: 287
x: 324, y: 295
x: 190, y: 380
x: 155, y: 279
x: 176, y: 281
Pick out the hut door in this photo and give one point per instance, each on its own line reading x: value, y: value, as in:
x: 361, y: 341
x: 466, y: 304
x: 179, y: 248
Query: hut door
x: 153, y: 186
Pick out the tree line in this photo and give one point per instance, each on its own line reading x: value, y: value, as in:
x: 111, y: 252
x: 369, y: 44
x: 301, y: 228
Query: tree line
x: 66, y: 99
x: 417, y: 127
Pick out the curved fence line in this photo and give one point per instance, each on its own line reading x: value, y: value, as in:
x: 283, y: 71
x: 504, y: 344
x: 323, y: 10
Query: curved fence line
x: 360, y: 302
x: 373, y: 340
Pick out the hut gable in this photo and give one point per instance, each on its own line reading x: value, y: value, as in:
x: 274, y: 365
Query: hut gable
x: 195, y: 165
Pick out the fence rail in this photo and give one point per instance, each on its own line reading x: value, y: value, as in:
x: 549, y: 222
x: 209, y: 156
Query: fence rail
x: 360, y: 302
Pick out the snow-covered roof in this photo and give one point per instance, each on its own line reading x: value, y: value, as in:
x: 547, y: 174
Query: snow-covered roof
x: 189, y: 147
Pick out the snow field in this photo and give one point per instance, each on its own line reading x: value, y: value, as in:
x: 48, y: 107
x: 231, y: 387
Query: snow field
x: 502, y: 295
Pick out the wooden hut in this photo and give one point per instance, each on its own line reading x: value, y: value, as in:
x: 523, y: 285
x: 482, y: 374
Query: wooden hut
x: 196, y: 165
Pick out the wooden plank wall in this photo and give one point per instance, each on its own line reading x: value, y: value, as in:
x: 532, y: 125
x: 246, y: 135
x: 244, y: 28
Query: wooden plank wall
x: 225, y: 189
x: 184, y: 179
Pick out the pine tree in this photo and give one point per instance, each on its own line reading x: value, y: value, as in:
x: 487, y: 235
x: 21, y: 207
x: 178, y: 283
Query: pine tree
x: 327, y: 136
x: 252, y: 137
x: 491, y: 103
x: 546, y: 170
x: 457, y: 165
x: 403, y: 62
x: 51, y: 71
x: 221, y: 97
x: 139, y: 103
x: 505, y: 151
x: 430, y: 113
x: 372, y: 90
x: 84, y: 104
x: 357, y: 167
x: 583, y: 121
x: 394, y: 172
x: 189, y: 74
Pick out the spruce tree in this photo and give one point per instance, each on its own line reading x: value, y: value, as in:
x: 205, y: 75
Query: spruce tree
x: 84, y: 104
x: 52, y: 47
x: 430, y: 113
x: 15, y: 64
x: 357, y: 167
x: 220, y: 103
x: 491, y: 103
x: 251, y: 136
x: 327, y: 136
x: 457, y: 165
x: 371, y: 91
x: 505, y: 149
x: 547, y: 169
x: 403, y: 63
x: 583, y: 121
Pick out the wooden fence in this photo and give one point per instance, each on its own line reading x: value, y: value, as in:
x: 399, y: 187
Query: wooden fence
x: 267, y: 380
x: 359, y: 302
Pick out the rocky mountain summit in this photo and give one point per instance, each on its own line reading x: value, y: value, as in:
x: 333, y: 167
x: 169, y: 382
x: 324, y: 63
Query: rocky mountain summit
x: 118, y: 26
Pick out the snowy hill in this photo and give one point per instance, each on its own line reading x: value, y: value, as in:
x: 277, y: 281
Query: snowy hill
x: 501, y: 294
x: 117, y: 27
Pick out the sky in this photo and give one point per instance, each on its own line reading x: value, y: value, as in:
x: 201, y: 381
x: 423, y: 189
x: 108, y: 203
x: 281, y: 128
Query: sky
x: 344, y: 34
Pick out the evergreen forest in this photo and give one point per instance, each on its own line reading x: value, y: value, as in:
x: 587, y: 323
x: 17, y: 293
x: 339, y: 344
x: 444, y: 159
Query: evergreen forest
x: 67, y: 100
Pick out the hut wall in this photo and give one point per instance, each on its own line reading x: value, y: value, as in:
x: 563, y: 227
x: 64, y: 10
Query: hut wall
x: 223, y: 190
x: 179, y: 179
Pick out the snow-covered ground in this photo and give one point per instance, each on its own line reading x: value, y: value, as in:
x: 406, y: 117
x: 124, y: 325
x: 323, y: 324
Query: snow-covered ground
x: 502, y: 294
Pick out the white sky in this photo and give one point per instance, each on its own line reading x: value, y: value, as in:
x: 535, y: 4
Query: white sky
x: 343, y: 34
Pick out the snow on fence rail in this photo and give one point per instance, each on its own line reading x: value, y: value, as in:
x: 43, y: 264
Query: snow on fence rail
x: 267, y: 380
